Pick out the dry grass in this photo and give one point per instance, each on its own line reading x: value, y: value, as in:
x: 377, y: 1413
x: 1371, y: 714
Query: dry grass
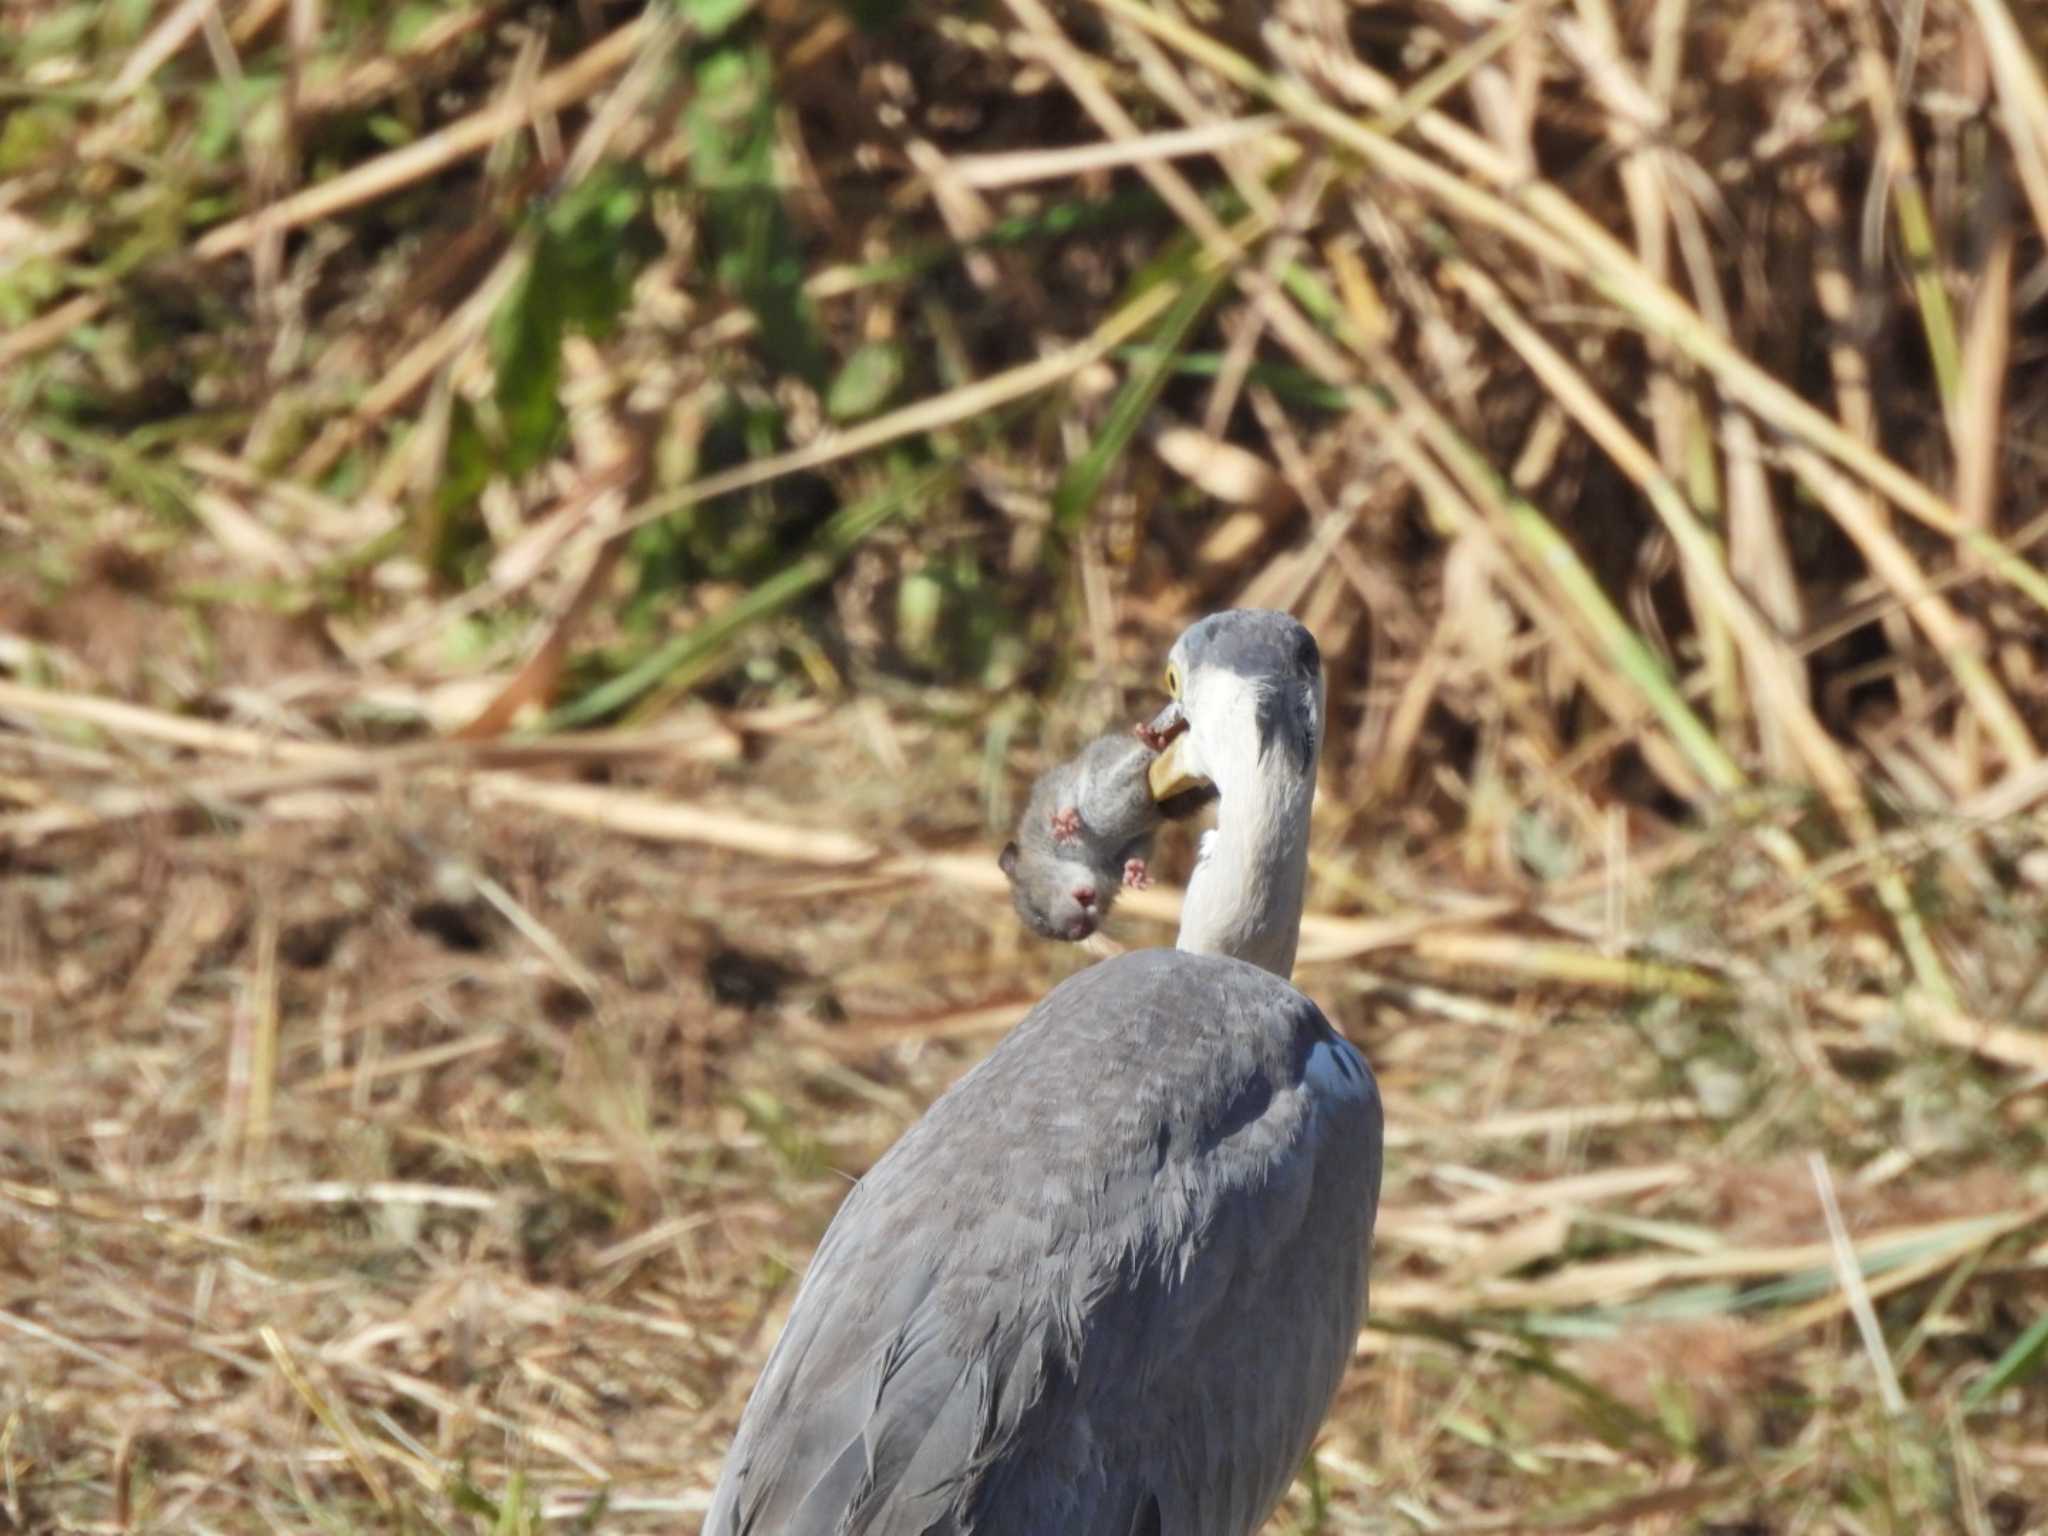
x: 536, y: 549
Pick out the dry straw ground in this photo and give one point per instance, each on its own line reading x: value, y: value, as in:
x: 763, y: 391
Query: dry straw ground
x: 538, y: 543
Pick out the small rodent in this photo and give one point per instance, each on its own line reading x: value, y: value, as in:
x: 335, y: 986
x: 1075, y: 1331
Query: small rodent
x: 1086, y: 833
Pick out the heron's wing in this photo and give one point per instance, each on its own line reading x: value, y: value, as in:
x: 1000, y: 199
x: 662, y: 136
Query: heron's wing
x: 1244, y: 1315
x: 1010, y: 1323
x: 867, y: 1426
x: 900, y: 1381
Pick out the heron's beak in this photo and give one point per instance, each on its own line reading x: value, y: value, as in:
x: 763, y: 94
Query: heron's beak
x: 1166, y: 734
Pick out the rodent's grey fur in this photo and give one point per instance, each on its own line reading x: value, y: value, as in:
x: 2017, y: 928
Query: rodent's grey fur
x: 1086, y: 832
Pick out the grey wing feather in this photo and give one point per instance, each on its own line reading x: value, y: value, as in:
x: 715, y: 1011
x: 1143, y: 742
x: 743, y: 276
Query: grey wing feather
x: 1106, y: 1286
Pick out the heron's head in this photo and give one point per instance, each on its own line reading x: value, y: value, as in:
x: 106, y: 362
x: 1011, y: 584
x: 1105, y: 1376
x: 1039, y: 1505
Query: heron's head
x: 1246, y: 705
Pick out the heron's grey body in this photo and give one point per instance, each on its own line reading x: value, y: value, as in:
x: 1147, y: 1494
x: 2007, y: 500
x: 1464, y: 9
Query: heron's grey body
x: 1108, y: 1284
x: 1118, y: 1307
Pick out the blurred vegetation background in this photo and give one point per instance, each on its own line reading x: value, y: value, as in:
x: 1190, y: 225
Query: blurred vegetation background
x: 540, y: 543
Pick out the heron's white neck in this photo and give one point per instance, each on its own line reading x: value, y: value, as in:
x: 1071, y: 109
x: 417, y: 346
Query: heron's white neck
x: 1245, y: 896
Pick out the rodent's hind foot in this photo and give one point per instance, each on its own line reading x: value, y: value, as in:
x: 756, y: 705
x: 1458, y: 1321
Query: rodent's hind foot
x: 1066, y: 824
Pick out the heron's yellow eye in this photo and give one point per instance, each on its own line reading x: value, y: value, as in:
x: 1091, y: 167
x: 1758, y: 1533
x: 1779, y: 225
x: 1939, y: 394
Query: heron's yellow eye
x: 1173, y: 679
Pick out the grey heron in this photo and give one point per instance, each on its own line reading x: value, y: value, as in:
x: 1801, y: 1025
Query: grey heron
x: 1108, y: 1283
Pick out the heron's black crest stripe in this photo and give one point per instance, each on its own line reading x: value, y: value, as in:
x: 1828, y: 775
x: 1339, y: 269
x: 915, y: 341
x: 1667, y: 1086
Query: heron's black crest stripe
x: 1277, y: 651
x: 1285, y: 719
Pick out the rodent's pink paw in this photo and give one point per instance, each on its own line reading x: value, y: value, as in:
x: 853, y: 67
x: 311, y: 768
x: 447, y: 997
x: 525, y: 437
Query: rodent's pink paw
x: 1157, y: 740
x: 1066, y: 824
x: 1136, y: 875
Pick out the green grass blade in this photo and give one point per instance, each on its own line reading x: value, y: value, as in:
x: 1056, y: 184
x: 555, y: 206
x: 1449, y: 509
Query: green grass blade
x: 690, y: 656
x: 2019, y: 1361
x: 1084, y: 478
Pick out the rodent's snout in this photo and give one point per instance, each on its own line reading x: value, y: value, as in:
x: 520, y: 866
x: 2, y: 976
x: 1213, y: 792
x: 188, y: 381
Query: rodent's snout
x: 1085, y: 897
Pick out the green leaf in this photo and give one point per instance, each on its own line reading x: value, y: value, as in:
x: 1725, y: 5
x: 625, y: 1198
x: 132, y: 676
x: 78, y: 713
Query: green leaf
x: 920, y: 603
x: 1084, y: 478
x: 30, y: 133
x: 454, y: 528
x: 231, y: 111
x: 866, y: 382
x: 26, y: 287
x: 689, y: 656
x: 1295, y: 386
x: 587, y: 251
x: 409, y: 22
x: 730, y: 126
x: 713, y: 18
x: 57, y: 34
x: 122, y: 22
x: 743, y: 537
x: 601, y: 238
x: 2018, y: 1363
x: 389, y: 129
x: 526, y: 347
